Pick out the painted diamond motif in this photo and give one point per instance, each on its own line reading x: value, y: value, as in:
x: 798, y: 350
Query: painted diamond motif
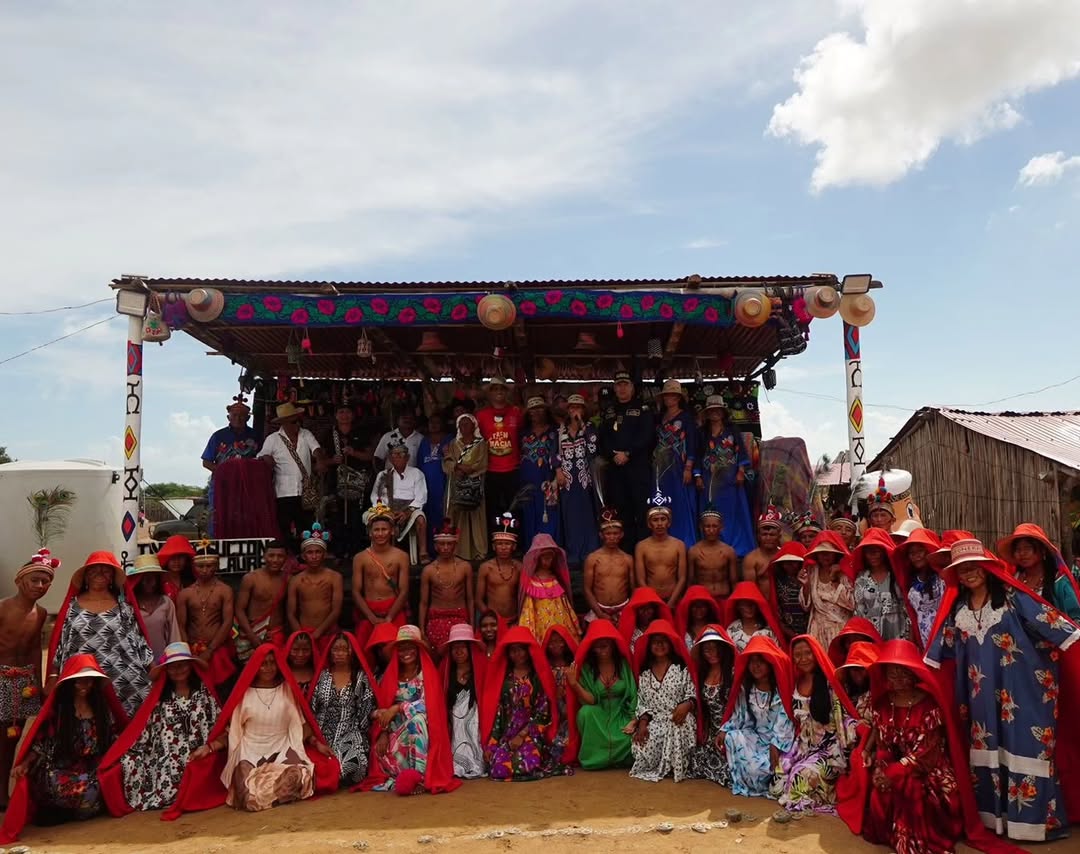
x: 855, y: 415
x: 127, y: 526
x: 134, y: 359
x: 130, y: 442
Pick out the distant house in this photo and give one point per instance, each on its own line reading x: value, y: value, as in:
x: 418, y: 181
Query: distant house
x: 987, y: 472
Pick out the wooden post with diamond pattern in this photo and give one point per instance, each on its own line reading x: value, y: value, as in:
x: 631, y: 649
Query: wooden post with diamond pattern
x: 855, y: 421
x: 131, y: 484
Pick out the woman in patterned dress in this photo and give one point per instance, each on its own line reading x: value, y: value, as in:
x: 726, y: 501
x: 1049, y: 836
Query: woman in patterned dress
x: 664, y: 729
x: 539, y: 463
x: 747, y: 614
x: 518, y: 718
x: 758, y: 722
x: 96, y: 618
x: 605, y: 691
x: 143, y: 769
x: 854, y: 676
x: 825, y: 721
x: 827, y: 592
x: 463, y: 666
x: 696, y: 610
x: 342, y: 699
x: 544, y: 590
x: 721, y: 476
x: 714, y: 661
x: 880, y: 591
x: 675, y: 461
x: 560, y: 647
x: 784, y: 590
x: 578, y: 502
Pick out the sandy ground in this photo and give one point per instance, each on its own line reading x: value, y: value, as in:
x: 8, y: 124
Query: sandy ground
x: 588, y: 811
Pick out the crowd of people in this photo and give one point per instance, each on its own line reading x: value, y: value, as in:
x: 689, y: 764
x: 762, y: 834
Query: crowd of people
x: 910, y: 683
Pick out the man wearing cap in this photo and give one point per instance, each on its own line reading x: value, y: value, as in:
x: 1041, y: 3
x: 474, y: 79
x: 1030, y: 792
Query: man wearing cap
x: 576, y: 479
x: 293, y: 453
x: 501, y: 424
x: 627, y: 434
x: 21, y: 621
x: 404, y: 434
x: 236, y: 441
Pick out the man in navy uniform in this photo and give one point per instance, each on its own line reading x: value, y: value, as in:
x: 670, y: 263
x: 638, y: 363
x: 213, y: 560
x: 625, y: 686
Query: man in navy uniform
x: 627, y: 433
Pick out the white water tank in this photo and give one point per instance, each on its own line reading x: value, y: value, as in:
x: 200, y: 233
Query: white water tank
x: 93, y: 524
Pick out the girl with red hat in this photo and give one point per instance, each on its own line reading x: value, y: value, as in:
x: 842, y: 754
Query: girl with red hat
x: 559, y: 648
x: 784, y: 590
x: 463, y: 668
x: 926, y: 588
x: 696, y: 610
x: 880, y: 595
x: 747, y: 614
x: 827, y: 591
x: 1040, y: 566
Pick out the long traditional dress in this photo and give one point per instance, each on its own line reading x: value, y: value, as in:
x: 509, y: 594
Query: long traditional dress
x: 67, y: 787
x: 758, y: 721
x: 154, y: 765
x: 539, y: 462
x: 465, y: 737
x: 471, y: 522
x: 876, y: 602
x: 267, y: 731
x: 676, y: 444
x: 344, y: 716
x: 600, y: 726
x: 429, y: 459
x: 808, y: 771
x: 578, y: 502
x: 721, y: 457
x: 925, y: 600
x: 794, y: 616
x: 667, y: 749
x: 921, y: 812
x: 742, y: 637
x: 1007, y: 685
x: 525, y: 711
x: 545, y: 602
x: 407, y: 745
x: 115, y: 639
x: 830, y: 606
x: 707, y: 760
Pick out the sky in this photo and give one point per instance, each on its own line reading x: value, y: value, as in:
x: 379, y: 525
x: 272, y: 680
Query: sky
x: 934, y: 145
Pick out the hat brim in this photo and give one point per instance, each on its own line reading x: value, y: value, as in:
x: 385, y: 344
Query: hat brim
x: 158, y: 669
x: 145, y: 570
x: 985, y: 559
x: 84, y: 673
x: 420, y: 641
x: 1006, y: 545
x: 471, y: 639
x: 296, y: 416
x: 824, y: 548
x: 79, y: 575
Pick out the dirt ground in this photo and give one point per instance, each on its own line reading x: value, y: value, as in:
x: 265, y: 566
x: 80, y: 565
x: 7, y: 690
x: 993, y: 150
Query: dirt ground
x: 589, y: 810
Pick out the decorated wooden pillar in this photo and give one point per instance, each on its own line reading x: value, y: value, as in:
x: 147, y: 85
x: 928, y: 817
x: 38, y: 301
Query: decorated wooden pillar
x: 132, y: 479
x: 855, y: 411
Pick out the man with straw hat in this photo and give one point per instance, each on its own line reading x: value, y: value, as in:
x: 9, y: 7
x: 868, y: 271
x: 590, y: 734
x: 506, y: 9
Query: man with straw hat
x: 293, y: 453
x: 21, y: 621
x: 500, y: 424
x: 627, y: 434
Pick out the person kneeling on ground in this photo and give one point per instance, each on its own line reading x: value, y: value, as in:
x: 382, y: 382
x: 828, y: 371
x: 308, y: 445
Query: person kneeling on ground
x: 342, y: 699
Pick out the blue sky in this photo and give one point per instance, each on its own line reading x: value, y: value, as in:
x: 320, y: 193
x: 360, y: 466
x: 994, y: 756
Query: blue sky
x: 935, y: 145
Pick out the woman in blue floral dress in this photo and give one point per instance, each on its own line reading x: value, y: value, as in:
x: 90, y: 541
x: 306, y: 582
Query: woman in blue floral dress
x: 721, y: 476
x: 539, y: 463
x: 675, y: 460
x: 578, y: 502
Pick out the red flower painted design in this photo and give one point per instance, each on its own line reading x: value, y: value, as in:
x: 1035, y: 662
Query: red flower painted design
x: 577, y: 307
x: 1007, y: 644
x: 299, y: 317
x: 627, y: 311
x: 245, y: 312
x: 647, y: 302
x: 407, y: 315
x: 712, y: 315
x: 666, y: 311
x: 379, y: 306
x: 460, y: 312
x: 553, y: 297
x: 354, y: 315
x: 1008, y: 707
x: 604, y: 301
x: 528, y: 308
x: 432, y: 305
x: 975, y: 677
x: 327, y: 307
x: 691, y: 304
x: 272, y: 304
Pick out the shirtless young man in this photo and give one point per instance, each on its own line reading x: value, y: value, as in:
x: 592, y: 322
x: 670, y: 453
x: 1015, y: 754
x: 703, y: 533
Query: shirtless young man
x: 609, y: 572
x: 712, y: 562
x: 380, y: 577
x: 21, y: 621
x: 446, y: 589
x: 204, y: 611
x: 315, y: 593
x: 498, y: 579
x: 660, y: 559
x: 756, y: 564
x: 260, y: 604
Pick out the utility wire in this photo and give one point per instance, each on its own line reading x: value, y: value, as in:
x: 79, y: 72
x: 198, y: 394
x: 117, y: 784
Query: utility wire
x: 57, y: 340
x: 53, y: 310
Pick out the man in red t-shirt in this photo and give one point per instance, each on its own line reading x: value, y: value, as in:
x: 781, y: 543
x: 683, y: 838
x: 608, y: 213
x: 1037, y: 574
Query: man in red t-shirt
x: 500, y: 424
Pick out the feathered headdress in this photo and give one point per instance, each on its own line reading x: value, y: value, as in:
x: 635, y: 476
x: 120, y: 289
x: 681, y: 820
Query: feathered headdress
x: 659, y: 503
x: 315, y: 537
x: 609, y: 519
x: 505, y: 528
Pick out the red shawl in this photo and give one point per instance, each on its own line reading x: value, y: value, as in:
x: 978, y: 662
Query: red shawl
x: 852, y: 809
x: 787, y: 552
x: 496, y: 675
x: 324, y: 661
x: 678, y: 646
x: 696, y: 593
x: 878, y: 537
x: 844, y: 560
x: 439, y: 777
x: 919, y: 537
x: 110, y: 771
x: 748, y: 591
x: 201, y: 787
x: 827, y: 668
x: 316, y: 654
x: 244, y: 500
x: 177, y: 544
x: 780, y: 663
x: 857, y: 628
x: 597, y: 630
x: 21, y: 807
x: 628, y: 617
x: 570, y: 752
x: 479, y: 659
x: 501, y: 627
x: 381, y: 635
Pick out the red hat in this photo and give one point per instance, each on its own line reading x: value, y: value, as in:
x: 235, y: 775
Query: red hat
x: 771, y: 518
x: 919, y: 537
x: 177, y: 544
x: 1027, y: 531
x: 860, y: 654
x: 873, y: 537
x: 101, y: 558
x: 939, y: 559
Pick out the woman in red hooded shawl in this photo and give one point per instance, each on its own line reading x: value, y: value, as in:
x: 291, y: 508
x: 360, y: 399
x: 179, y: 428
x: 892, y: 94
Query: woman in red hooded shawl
x: 490, y: 629
x: 605, y: 694
x: 560, y: 647
x: 1038, y: 563
x: 300, y: 656
x: 544, y: 594
x: 462, y: 668
x: 55, y: 772
x: 410, y: 739
x: 379, y: 648
x: 827, y: 586
x: 265, y: 749
x: 519, y: 715
x: 664, y: 729
x: 713, y: 656
x: 697, y: 609
x: 825, y: 733
x: 881, y: 587
x: 920, y: 799
x: 177, y: 558
x: 784, y: 589
x: 342, y: 698
x: 855, y: 629
x: 643, y: 609
x: 746, y: 614
x: 912, y: 560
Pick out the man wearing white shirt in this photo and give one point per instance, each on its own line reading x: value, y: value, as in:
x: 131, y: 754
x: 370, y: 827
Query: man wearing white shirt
x: 403, y: 489
x: 404, y: 434
x: 293, y: 454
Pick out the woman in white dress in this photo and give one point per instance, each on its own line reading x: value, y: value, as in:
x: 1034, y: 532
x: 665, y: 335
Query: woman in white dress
x: 462, y: 671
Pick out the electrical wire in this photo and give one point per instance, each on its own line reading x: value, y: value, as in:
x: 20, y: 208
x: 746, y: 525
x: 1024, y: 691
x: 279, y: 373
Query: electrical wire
x: 53, y: 310
x: 57, y: 340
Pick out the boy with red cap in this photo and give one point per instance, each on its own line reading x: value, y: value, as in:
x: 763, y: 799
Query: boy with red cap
x: 756, y: 564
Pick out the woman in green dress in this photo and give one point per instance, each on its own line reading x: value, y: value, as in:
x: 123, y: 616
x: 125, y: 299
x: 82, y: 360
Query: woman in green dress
x: 606, y: 693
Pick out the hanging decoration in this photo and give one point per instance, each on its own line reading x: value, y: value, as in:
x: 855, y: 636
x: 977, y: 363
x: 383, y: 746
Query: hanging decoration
x: 154, y: 326
x: 496, y: 312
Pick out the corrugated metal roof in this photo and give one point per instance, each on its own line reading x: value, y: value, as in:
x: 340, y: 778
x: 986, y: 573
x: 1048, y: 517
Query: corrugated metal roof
x: 836, y: 474
x: 1054, y: 435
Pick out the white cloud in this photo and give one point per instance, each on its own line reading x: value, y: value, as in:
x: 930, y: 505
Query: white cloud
x: 921, y: 73
x: 705, y: 243
x: 1047, y: 169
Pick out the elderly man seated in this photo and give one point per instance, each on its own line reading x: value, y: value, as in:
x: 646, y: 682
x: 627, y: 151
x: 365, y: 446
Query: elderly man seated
x: 403, y: 489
